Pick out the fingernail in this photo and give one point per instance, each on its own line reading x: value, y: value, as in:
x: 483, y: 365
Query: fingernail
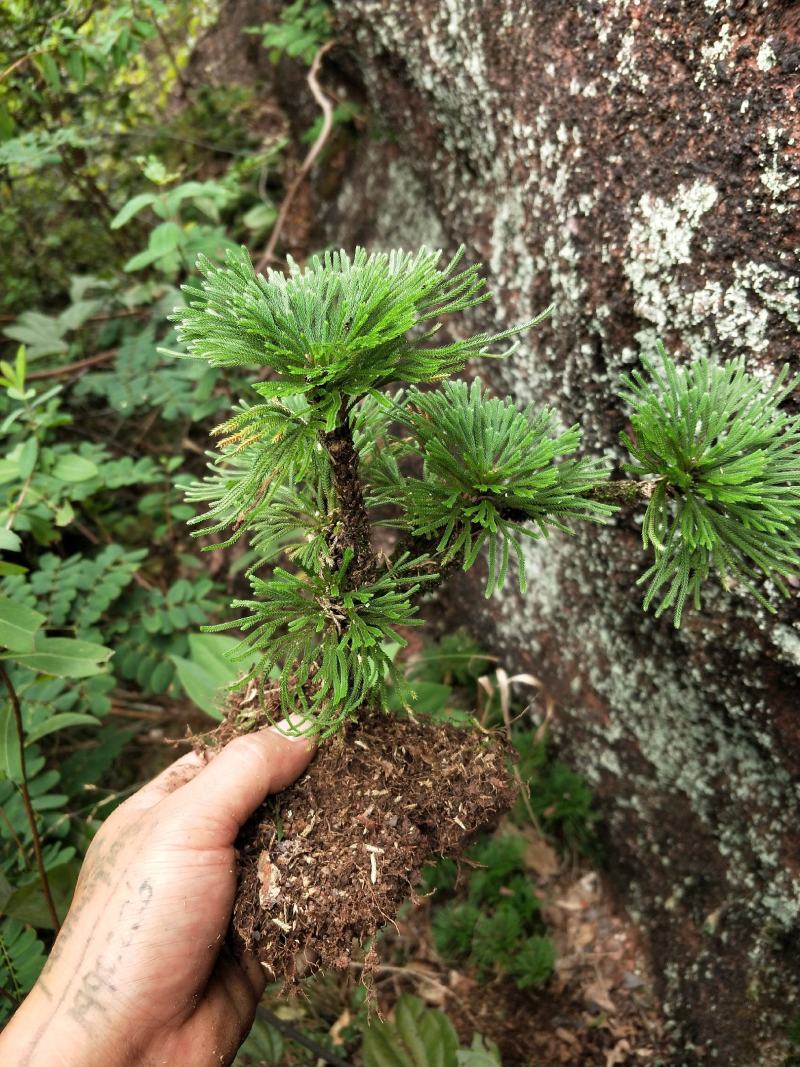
x: 294, y: 728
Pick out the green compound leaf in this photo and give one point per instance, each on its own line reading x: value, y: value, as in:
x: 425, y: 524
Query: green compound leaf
x: 22, y: 958
x: 18, y: 625
x: 65, y: 658
x: 724, y: 462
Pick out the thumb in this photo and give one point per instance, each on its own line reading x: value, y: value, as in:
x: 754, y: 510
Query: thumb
x: 229, y: 789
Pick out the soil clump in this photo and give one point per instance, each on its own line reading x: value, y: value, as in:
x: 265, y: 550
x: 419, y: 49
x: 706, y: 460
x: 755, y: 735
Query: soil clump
x: 329, y: 860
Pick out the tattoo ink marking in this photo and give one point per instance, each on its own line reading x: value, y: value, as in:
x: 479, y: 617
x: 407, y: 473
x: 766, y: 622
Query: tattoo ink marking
x: 93, y: 876
x: 97, y: 985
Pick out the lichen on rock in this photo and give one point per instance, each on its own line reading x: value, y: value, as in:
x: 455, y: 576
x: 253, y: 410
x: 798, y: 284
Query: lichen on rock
x: 635, y: 165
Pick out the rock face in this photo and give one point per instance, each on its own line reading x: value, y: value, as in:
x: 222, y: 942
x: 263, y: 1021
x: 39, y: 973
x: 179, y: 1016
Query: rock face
x: 636, y: 164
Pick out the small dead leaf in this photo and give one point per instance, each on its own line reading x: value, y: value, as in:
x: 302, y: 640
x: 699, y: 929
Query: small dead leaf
x: 570, y: 905
x: 597, y: 992
x: 541, y: 858
x: 344, y: 1020
x: 618, y: 1054
x: 584, y: 935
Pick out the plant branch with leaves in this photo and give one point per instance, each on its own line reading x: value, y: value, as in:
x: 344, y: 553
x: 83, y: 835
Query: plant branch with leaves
x: 358, y: 426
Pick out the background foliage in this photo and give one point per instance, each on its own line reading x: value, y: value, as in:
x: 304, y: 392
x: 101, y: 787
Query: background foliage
x: 117, y: 172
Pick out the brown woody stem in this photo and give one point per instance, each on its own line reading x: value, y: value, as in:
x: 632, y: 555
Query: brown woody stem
x: 355, y: 527
x: 26, y: 800
x: 625, y: 493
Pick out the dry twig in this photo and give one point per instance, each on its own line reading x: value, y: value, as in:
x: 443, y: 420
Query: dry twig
x: 71, y: 368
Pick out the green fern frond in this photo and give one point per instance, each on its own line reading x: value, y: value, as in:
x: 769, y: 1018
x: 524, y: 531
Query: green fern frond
x: 492, y: 475
x: 338, y: 328
x: 725, y: 462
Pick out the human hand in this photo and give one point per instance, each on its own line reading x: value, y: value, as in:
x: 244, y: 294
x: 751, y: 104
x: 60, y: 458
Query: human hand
x: 140, y: 973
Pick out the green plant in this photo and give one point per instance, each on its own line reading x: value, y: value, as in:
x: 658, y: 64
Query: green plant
x: 334, y: 338
x: 28, y: 652
x: 487, y: 471
x: 724, y: 465
x: 21, y: 955
x: 492, y: 921
x: 304, y: 27
x: 559, y: 799
x: 179, y: 238
x: 419, y: 1036
x: 96, y: 426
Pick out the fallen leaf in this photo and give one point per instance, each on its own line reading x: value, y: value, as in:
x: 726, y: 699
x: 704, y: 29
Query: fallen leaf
x: 344, y: 1020
x: 597, y: 992
x: 584, y: 935
x: 618, y: 1053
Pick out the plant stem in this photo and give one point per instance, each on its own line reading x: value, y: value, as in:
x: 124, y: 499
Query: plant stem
x: 72, y: 368
x: 26, y: 800
x: 9, y: 997
x: 301, y: 1038
x: 170, y: 54
x: 625, y: 492
x: 327, y: 125
x: 15, y: 837
x: 355, y: 529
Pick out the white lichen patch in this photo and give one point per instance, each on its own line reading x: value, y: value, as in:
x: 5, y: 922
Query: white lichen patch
x: 711, y: 54
x: 732, y: 310
x: 787, y: 640
x: 777, y: 174
x: 659, y: 240
x: 626, y: 67
x: 408, y: 220
x: 766, y: 58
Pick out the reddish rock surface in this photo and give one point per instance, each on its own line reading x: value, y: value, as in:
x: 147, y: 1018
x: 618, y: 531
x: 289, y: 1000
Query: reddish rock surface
x: 637, y: 165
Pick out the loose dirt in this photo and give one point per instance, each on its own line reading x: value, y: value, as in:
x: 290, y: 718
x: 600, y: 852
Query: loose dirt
x: 326, y: 863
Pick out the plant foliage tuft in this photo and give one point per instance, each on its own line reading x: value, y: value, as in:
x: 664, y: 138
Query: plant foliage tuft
x: 724, y: 462
x: 337, y: 329
x: 288, y: 469
x: 325, y: 643
x: 491, y: 475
